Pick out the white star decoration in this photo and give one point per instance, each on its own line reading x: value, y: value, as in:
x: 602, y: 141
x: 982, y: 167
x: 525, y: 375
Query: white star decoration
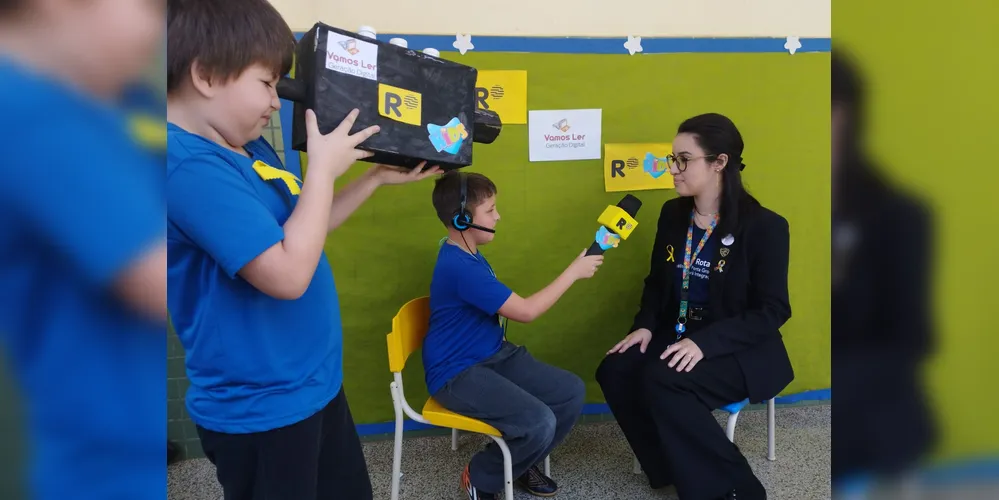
x: 792, y: 44
x: 463, y: 43
x: 634, y: 44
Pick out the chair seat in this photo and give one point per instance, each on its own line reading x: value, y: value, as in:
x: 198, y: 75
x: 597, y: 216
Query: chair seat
x: 442, y: 417
x: 736, y: 407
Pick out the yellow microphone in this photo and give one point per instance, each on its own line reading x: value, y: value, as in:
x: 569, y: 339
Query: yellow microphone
x: 616, y: 224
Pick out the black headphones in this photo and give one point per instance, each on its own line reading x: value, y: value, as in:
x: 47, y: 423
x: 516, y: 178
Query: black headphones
x: 462, y: 220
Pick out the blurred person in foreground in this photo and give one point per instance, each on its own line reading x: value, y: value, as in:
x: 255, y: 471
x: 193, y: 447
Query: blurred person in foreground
x: 82, y: 249
x: 881, y: 329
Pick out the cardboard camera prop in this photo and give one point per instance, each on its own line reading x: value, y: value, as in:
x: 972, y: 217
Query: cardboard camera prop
x: 424, y: 105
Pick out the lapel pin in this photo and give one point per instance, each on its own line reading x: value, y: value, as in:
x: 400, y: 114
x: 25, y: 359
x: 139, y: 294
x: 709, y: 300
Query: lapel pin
x: 724, y: 252
x: 721, y: 266
x: 669, y: 253
x: 728, y: 240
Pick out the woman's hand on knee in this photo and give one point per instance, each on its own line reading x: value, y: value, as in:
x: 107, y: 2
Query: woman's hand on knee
x: 685, y: 354
x: 641, y: 336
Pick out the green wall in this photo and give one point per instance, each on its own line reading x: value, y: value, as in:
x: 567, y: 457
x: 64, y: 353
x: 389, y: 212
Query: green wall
x: 929, y: 96
x: 384, y: 255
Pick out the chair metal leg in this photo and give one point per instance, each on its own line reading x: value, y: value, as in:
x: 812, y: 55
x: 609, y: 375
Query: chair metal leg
x: 730, y: 428
x: 548, y: 466
x: 454, y: 439
x: 507, y: 467
x: 397, y: 453
x: 771, y: 430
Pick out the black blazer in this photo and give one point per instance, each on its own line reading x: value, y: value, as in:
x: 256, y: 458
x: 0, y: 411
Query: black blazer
x: 748, y: 299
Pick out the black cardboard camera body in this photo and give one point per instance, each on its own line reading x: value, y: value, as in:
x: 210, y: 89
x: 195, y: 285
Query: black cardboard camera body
x: 425, y: 106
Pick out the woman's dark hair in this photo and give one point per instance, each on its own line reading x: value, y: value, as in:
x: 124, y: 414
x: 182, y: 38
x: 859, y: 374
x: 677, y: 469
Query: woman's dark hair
x: 716, y: 135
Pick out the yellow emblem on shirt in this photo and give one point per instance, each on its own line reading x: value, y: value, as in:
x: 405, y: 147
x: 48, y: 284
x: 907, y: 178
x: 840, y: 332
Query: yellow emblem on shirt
x: 269, y: 173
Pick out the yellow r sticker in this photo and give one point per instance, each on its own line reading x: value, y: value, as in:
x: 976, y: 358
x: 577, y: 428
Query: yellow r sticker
x: 400, y: 105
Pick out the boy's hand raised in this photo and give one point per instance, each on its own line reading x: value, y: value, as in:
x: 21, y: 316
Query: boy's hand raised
x: 336, y: 151
x: 584, y: 266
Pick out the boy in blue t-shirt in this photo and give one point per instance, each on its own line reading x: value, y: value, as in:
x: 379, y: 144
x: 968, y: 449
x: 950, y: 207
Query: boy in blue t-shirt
x: 251, y: 293
x: 82, y: 249
x: 470, y: 367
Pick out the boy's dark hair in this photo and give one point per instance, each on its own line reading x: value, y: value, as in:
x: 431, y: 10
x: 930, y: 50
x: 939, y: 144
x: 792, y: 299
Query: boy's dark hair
x: 225, y: 37
x: 447, y: 193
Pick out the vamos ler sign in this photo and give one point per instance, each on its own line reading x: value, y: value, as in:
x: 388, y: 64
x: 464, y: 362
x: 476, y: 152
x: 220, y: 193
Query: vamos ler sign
x: 558, y: 135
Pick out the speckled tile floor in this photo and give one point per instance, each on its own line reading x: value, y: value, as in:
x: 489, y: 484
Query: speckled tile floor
x: 593, y: 463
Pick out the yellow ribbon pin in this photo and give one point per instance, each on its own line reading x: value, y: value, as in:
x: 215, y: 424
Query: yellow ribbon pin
x: 269, y: 173
x: 669, y: 258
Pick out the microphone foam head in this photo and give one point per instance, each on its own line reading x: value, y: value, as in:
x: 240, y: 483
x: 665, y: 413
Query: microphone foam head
x: 630, y: 204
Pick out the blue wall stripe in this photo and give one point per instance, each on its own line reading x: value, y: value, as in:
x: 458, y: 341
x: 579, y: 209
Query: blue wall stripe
x: 962, y: 472
x: 584, y: 45
x: 615, y: 45
x: 589, y: 409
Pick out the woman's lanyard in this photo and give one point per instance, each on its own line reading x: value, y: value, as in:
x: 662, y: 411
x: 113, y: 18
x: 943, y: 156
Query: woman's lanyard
x: 688, y: 259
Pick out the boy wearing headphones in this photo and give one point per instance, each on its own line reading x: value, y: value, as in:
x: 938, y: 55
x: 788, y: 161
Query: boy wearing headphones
x: 470, y: 367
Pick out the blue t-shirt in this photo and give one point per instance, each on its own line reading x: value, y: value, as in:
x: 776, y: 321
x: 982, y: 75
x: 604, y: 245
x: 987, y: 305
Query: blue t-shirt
x: 80, y: 201
x: 465, y: 328
x: 255, y: 363
x: 700, y: 270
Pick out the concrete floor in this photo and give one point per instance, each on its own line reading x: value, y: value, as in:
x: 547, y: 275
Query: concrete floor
x: 593, y: 463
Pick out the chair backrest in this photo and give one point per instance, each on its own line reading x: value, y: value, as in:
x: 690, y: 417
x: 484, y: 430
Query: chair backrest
x: 409, y: 326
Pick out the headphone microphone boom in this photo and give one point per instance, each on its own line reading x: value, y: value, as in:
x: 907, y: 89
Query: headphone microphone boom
x: 616, y: 224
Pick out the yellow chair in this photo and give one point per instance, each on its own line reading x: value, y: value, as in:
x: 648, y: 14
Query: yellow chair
x: 409, y: 326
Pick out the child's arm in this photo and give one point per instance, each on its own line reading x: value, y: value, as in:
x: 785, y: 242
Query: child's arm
x: 143, y: 284
x: 348, y: 199
x: 285, y: 269
x: 214, y: 206
x: 527, y: 310
x: 104, y: 218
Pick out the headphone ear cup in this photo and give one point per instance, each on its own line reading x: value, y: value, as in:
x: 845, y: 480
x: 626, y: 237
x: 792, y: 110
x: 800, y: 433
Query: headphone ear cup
x: 461, y: 221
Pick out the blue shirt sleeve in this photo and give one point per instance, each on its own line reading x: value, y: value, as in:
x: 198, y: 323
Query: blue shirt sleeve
x: 478, y: 287
x: 100, y: 206
x: 214, y: 206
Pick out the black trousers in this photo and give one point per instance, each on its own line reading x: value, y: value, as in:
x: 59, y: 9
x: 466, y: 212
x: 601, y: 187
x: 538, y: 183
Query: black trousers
x: 318, y: 458
x: 666, y: 417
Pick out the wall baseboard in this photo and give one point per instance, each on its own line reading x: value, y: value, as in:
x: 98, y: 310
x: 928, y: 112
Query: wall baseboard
x: 599, y: 409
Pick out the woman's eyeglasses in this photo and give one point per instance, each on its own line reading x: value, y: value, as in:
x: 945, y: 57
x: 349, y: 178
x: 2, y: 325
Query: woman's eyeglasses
x: 680, y: 162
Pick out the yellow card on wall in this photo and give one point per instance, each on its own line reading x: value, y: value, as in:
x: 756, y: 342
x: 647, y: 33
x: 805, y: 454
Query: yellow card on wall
x: 504, y: 92
x: 637, y: 167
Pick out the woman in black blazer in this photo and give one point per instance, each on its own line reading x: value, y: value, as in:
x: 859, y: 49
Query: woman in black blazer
x: 706, y: 334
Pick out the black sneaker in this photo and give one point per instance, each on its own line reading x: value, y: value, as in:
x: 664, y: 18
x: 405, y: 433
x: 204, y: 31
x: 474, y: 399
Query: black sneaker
x: 537, y: 483
x: 474, y: 494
